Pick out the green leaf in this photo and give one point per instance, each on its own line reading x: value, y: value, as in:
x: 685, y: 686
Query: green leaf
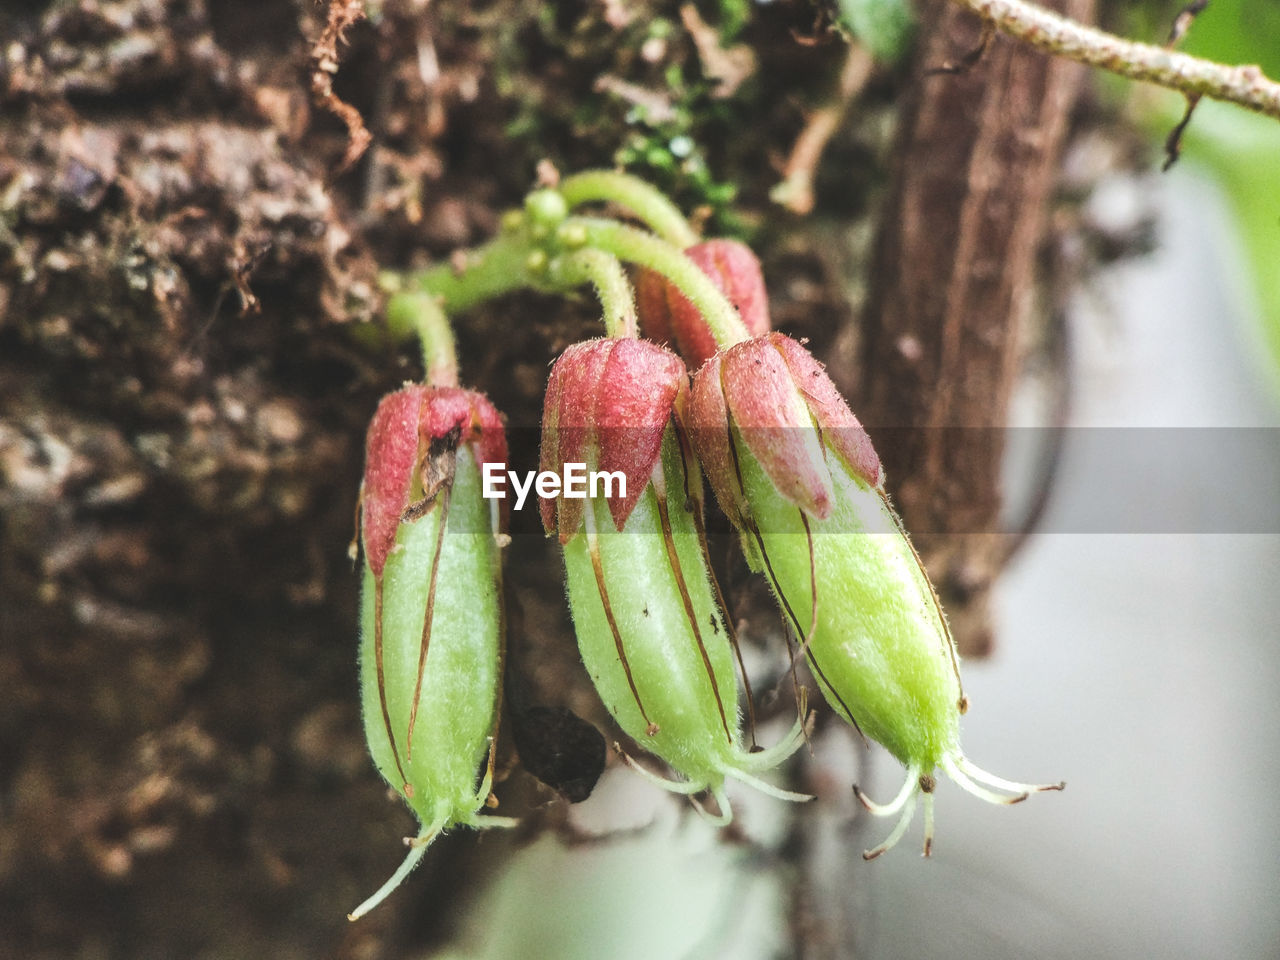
x: 885, y: 26
x: 1237, y: 31
x: 1239, y: 151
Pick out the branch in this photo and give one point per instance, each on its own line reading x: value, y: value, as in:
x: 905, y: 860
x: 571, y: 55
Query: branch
x: 1243, y: 85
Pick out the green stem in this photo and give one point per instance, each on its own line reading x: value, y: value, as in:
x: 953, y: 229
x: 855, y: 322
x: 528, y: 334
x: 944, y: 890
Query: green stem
x: 498, y: 267
x: 645, y: 202
x: 636, y: 246
x: 421, y: 313
x: 604, y: 272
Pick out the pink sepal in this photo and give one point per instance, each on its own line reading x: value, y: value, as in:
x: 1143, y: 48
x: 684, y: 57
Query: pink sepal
x: 397, y: 444
x: 608, y: 402
x: 775, y: 393
x: 667, y: 316
x: 841, y: 430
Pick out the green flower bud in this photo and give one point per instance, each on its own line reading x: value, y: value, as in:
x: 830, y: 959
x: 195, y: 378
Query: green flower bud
x: 546, y: 209
x: 649, y: 628
x: 795, y: 472
x: 431, y: 623
x: 880, y: 650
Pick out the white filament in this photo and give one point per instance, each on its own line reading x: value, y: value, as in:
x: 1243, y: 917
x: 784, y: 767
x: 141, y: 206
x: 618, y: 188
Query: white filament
x: 928, y: 822
x: 486, y: 822
x: 725, y: 817
x: 767, y: 788
x: 683, y: 787
x: 417, y: 848
x: 769, y: 758
x: 977, y: 773
x: 965, y: 775
x: 982, y: 793
x: 908, y: 790
x: 904, y: 821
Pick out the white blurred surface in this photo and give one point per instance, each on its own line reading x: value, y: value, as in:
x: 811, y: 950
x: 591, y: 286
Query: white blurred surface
x: 1142, y: 669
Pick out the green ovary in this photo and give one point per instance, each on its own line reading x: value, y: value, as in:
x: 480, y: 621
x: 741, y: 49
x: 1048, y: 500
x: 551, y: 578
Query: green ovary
x: 880, y: 652
x: 659, y: 639
x: 456, y: 713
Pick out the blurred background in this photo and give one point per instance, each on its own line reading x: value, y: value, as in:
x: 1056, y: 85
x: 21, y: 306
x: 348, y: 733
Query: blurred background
x: 1139, y: 667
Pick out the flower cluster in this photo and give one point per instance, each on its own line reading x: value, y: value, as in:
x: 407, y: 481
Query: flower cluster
x: 790, y: 466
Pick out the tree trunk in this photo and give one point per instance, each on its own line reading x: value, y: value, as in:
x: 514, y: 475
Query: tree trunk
x: 953, y: 287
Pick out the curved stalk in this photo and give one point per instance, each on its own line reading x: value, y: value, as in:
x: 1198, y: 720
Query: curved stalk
x: 605, y: 273
x: 632, y: 245
x: 642, y: 200
x: 421, y: 313
x: 498, y: 267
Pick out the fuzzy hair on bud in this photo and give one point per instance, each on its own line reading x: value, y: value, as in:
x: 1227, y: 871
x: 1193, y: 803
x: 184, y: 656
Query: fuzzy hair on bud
x: 398, y: 441
x: 654, y: 639
x: 795, y: 471
x: 774, y: 393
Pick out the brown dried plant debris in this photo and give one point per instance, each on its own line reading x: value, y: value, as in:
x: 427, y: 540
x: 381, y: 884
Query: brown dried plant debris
x: 726, y: 67
x: 343, y: 14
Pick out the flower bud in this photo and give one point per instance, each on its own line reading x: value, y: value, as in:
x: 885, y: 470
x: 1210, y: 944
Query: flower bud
x: 608, y: 402
x: 667, y: 316
x: 431, y: 637
x: 796, y: 473
x: 775, y: 393
x: 649, y: 628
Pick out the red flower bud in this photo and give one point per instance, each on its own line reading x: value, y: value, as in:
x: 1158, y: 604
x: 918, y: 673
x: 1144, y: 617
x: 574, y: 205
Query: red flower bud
x: 666, y: 315
x: 608, y: 402
x: 775, y: 393
x: 397, y: 450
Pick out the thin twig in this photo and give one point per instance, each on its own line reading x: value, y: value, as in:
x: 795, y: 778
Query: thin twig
x: 324, y: 66
x: 1181, y: 24
x: 1243, y: 85
x: 795, y: 192
x: 1173, y: 142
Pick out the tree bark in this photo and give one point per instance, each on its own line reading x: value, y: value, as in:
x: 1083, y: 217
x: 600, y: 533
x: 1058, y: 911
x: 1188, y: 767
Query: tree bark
x: 954, y: 285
